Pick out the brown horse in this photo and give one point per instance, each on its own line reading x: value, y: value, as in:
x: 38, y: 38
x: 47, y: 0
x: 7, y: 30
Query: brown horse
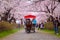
x: 28, y: 25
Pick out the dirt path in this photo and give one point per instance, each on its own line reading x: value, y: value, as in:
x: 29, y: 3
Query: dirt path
x: 22, y: 35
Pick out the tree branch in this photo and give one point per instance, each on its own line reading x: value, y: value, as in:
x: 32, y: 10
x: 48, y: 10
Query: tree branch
x: 47, y: 8
x: 55, y: 6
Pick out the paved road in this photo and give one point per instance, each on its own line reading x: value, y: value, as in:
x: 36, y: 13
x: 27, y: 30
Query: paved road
x: 22, y: 35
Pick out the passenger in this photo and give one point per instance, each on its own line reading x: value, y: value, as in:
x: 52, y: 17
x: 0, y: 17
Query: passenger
x: 34, y: 24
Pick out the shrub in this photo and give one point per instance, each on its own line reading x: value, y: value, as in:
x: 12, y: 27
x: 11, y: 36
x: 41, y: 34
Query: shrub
x: 59, y: 29
x: 49, y: 25
x: 6, y: 26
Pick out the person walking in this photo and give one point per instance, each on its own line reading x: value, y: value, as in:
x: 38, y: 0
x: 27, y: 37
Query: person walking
x: 56, y: 25
x: 42, y: 25
x: 18, y: 22
x: 39, y: 26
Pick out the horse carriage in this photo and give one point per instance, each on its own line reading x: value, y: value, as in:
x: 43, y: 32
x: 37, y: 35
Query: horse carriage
x: 29, y: 26
x: 28, y: 23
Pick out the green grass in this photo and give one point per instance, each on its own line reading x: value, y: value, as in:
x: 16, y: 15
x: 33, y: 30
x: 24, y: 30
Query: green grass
x: 49, y: 32
x: 49, y: 29
x: 6, y: 33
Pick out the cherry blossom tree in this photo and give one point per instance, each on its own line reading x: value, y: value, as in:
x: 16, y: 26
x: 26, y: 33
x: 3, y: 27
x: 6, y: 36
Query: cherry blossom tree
x: 50, y: 8
x: 20, y: 8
